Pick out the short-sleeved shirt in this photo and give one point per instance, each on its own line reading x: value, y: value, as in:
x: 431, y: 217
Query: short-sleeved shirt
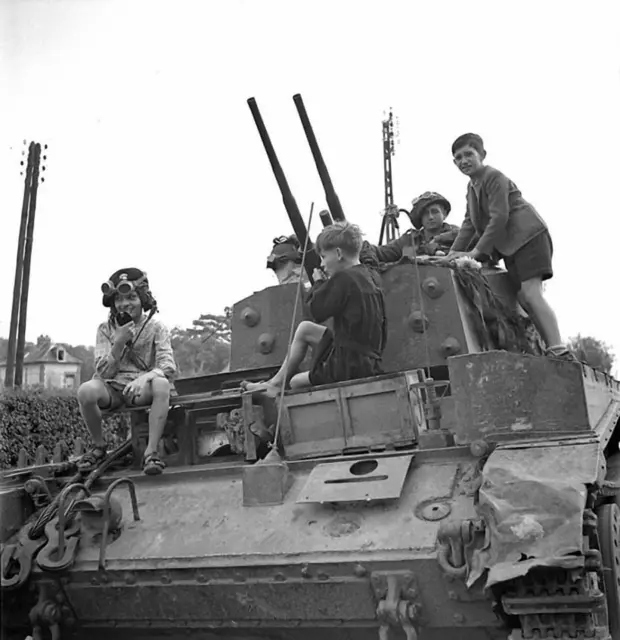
x: 150, y: 350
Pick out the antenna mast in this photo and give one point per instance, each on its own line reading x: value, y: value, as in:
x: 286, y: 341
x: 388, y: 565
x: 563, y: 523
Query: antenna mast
x: 389, y: 226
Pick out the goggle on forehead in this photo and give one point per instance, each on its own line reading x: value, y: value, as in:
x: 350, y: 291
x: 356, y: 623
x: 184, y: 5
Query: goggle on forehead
x: 124, y: 285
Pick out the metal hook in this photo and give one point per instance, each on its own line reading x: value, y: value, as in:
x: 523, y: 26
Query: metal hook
x: 62, y: 515
x: 106, y: 513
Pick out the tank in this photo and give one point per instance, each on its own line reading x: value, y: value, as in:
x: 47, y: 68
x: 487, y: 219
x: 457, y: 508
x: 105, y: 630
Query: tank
x: 470, y: 491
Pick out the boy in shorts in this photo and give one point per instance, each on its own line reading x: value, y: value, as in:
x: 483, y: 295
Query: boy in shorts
x: 504, y: 225
x: 353, y: 298
x: 134, y: 364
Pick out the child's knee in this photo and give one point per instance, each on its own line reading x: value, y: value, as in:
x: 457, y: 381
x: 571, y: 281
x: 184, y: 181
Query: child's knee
x: 160, y: 388
x: 307, y: 330
x: 89, y: 393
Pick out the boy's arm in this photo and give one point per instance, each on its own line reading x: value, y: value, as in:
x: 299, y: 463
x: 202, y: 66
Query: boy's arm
x: 329, y: 297
x: 497, y: 190
x: 446, y: 238
x: 165, y: 366
x: 392, y: 252
x: 107, y: 354
x: 465, y: 234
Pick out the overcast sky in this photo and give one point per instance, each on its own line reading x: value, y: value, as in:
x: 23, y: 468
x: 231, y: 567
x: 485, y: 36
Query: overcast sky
x: 154, y: 160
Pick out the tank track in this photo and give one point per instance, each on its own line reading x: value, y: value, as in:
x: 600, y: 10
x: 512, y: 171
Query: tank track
x: 560, y: 603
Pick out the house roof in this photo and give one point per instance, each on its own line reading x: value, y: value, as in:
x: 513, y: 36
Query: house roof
x: 48, y: 352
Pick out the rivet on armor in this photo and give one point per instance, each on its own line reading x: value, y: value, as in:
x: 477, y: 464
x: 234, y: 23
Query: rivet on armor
x: 322, y: 576
x: 433, y: 510
x: 305, y: 571
x: 359, y: 571
x: 200, y: 577
x: 266, y: 342
x: 450, y: 347
x: 479, y: 448
x: 250, y: 317
x: 279, y: 577
x: 165, y: 579
x: 432, y: 287
x: 130, y: 578
x: 418, y: 322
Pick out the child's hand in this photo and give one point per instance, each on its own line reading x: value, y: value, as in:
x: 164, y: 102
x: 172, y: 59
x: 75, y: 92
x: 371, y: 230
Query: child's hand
x: 318, y: 275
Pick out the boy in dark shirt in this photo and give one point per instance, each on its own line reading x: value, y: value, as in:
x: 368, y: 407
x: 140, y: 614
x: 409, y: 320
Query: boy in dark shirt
x: 353, y: 297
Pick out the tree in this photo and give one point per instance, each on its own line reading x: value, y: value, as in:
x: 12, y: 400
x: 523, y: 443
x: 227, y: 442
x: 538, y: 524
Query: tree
x: 209, y: 326
x: 593, y: 352
x: 204, y: 347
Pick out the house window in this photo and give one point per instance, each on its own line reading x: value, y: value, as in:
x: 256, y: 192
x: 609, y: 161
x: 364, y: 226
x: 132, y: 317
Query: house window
x: 69, y: 381
x: 61, y: 355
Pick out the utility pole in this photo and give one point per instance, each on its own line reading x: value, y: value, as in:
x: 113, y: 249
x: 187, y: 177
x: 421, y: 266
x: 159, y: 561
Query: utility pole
x: 17, y: 330
x: 389, y: 226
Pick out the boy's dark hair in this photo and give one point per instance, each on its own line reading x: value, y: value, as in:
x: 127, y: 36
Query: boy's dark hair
x: 471, y: 140
x: 341, y: 235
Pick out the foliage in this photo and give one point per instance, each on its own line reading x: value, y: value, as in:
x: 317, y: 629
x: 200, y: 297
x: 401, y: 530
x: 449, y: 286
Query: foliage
x: 593, y: 352
x: 204, y: 347
x: 33, y: 417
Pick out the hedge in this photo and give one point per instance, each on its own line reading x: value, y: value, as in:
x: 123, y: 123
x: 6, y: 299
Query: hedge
x: 33, y: 417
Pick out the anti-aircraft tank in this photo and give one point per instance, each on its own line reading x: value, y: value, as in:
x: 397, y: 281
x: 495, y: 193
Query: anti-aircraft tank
x: 471, y: 491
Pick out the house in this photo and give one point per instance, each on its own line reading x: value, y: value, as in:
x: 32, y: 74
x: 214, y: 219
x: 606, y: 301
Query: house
x: 49, y: 365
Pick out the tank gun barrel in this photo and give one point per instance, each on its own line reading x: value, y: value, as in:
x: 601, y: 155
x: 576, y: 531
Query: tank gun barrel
x: 326, y: 218
x: 333, y: 202
x: 299, y: 226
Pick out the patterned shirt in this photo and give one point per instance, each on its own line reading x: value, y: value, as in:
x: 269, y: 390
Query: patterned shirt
x: 151, y: 350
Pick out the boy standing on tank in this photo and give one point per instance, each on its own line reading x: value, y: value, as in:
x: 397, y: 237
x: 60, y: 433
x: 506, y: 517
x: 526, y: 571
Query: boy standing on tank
x: 353, y: 298
x: 504, y: 225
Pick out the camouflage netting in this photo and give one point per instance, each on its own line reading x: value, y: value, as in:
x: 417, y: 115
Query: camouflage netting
x: 495, y: 324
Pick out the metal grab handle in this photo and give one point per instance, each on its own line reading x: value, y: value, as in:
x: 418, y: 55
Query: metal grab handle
x: 443, y: 555
x: 106, y: 513
x: 62, y: 515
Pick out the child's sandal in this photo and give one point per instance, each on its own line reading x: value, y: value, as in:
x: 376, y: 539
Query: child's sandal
x: 91, y: 459
x: 153, y: 465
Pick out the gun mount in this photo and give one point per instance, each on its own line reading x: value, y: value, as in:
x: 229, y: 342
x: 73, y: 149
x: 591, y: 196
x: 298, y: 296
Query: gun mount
x: 471, y: 490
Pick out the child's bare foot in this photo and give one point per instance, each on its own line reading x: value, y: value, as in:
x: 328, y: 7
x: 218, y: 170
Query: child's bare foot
x: 268, y: 387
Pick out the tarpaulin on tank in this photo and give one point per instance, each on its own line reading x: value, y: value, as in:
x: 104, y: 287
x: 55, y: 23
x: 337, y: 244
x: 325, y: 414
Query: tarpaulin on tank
x: 532, y: 500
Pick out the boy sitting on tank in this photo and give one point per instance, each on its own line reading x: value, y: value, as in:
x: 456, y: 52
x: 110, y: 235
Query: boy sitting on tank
x: 431, y: 234
x: 134, y: 364
x: 505, y: 226
x: 353, y: 298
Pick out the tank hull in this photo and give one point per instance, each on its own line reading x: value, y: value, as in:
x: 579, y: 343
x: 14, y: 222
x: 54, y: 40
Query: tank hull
x: 198, y: 560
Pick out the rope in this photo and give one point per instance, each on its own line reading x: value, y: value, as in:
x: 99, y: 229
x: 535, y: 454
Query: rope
x: 274, y: 444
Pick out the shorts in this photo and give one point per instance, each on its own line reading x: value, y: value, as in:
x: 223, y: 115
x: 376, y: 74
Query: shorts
x: 117, y: 399
x: 532, y: 260
x: 331, y: 363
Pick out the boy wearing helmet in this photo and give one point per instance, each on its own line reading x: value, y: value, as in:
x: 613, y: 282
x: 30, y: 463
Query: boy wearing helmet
x: 285, y: 260
x: 134, y: 364
x: 431, y: 234
x: 499, y: 223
